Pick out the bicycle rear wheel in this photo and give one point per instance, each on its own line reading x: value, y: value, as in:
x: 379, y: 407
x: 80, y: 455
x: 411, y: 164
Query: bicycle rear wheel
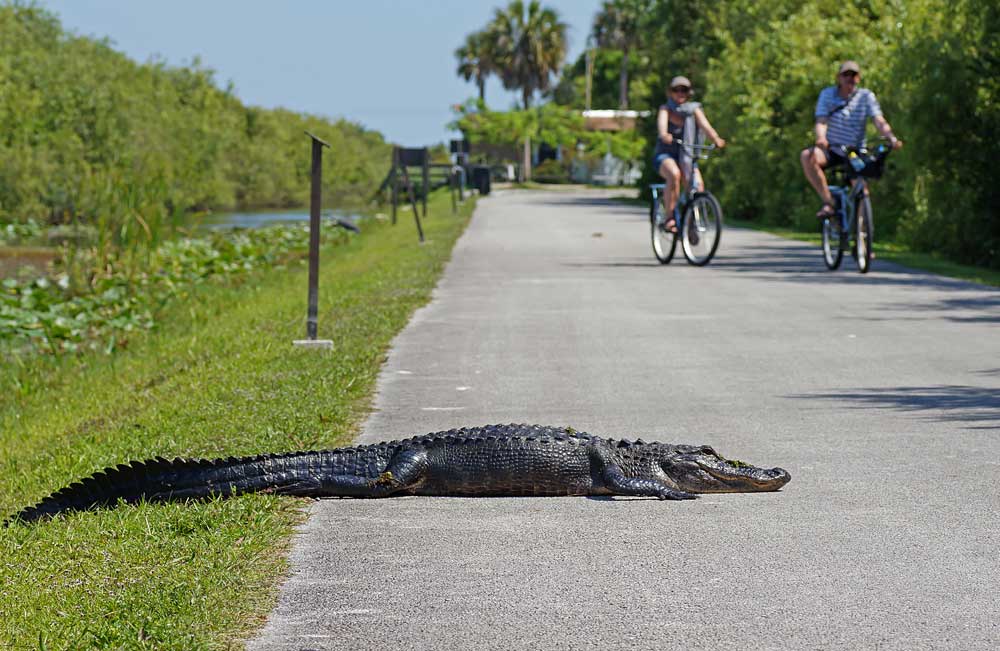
x: 702, y: 229
x: 832, y: 252
x: 864, y: 236
x: 664, y: 242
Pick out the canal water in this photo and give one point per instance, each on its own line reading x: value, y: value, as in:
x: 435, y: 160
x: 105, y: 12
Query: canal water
x: 259, y: 218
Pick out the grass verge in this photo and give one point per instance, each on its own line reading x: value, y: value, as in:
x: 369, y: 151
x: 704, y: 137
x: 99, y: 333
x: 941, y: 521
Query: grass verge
x: 890, y: 252
x: 887, y: 251
x: 218, y: 377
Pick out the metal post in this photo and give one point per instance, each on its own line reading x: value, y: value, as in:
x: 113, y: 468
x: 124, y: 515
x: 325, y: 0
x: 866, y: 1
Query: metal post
x: 315, y: 205
x: 452, y: 182
x: 427, y: 180
x: 395, y: 181
x: 589, y: 70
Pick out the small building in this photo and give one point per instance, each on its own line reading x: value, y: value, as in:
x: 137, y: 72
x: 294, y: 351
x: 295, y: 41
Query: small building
x: 609, y: 170
x: 612, y: 120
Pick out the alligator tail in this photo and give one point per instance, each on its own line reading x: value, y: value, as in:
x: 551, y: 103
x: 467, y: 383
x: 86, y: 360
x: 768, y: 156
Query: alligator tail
x: 162, y: 479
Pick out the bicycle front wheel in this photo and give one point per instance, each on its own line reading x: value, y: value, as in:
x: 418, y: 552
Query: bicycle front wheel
x: 832, y: 252
x: 702, y: 229
x: 864, y: 236
x: 664, y: 242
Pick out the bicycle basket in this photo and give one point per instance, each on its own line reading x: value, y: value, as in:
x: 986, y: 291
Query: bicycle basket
x: 874, y: 164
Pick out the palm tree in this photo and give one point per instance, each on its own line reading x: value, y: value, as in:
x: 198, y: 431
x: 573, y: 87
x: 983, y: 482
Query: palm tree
x: 475, y: 60
x: 617, y: 26
x: 530, y: 43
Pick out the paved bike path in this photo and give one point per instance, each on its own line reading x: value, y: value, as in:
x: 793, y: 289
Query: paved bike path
x: 879, y: 393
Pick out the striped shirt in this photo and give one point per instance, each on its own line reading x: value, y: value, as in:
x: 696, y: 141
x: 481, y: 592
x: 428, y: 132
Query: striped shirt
x: 847, y: 125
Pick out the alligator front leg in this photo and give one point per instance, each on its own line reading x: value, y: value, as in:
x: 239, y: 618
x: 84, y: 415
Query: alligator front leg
x: 616, y: 482
x: 619, y: 484
x: 406, y: 470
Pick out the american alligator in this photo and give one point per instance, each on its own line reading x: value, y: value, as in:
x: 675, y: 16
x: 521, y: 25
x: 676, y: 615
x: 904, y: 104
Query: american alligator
x: 495, y: 460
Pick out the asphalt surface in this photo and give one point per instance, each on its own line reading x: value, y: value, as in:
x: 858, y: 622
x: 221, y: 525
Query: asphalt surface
x: 879, y: 393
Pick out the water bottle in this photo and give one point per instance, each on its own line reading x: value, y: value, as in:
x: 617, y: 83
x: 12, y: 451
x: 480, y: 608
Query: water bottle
x: 856, y: 161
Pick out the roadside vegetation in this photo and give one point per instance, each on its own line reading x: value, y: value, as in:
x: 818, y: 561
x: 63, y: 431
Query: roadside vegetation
x: 758, y: 68
x: 219, y: 377
x: 47, y: 315
x: 119, y: 154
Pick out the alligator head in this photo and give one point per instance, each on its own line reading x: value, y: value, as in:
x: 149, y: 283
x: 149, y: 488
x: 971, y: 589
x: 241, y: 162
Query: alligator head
x: 703, y: 470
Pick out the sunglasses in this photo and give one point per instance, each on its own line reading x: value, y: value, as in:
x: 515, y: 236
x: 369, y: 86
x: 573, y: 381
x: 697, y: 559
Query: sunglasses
x: 680, y: 89
x: 848, y: 74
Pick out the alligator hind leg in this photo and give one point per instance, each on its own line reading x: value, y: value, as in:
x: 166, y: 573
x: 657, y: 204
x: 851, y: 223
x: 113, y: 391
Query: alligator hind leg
x: 405, y: 470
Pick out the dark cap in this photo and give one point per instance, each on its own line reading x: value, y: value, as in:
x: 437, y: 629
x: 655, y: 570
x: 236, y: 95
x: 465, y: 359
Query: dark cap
x: 680, y: 81
x: 849, y: 66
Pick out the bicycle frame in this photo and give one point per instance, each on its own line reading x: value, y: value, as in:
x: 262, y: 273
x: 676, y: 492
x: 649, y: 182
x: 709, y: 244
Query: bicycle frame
x: 699, y: 152
x: 697, y: 215
x: 848, y: 195
x: 854, y: 187
x: 851, y: 227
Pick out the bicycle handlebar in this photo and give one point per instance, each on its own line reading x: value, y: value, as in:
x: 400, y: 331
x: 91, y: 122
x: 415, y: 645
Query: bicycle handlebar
x: 694, y: 146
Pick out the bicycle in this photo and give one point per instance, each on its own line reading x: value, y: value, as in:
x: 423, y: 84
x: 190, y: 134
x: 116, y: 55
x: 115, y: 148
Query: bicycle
x: 853, y: 209
x: 698, y: 219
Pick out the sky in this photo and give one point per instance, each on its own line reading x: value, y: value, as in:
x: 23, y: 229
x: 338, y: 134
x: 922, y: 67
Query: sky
x: 387, y: 64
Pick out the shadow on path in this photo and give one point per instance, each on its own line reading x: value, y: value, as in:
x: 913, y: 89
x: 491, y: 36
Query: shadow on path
x: 978, y: 407
x: 577, y: 200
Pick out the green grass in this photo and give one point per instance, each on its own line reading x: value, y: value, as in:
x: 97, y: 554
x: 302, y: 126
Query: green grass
x: 219, y: 377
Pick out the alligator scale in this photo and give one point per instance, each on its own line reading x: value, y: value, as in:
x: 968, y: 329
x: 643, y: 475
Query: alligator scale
x: 495, y: 460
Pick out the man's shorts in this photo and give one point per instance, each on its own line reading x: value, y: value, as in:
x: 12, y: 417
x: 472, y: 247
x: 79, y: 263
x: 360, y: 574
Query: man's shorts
x: 834, y: 158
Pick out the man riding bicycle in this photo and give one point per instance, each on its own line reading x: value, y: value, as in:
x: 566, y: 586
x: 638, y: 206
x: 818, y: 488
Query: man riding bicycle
x: 841, y: 114
x: 678, y: 120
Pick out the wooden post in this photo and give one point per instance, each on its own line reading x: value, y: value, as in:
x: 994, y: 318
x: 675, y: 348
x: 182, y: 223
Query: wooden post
x: 413, y: 203
x: 427, y: 179
x: 315, y: 205
x: 452, y: 183
x: 394, y: 183
x: 526, y: 161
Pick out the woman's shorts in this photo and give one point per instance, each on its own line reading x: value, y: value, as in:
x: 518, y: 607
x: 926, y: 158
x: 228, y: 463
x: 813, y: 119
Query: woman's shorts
x: 659, y: 158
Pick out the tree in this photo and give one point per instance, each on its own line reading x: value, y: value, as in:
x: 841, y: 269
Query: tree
x: 530, y: 43
x: 476, y: 59
x: 618, y: 26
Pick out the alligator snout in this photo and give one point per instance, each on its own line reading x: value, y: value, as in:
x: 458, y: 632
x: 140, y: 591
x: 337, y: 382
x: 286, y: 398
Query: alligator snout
x: 779, y: 476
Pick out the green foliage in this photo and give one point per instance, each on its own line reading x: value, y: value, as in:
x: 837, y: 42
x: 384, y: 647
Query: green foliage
x: 758, y: 68
x: 618, y: 26
x: 551, y: 171
x: 476, y: 59
x: 766, y: 111
x: 948, y: 92
x: 524, y: 44
x: 46, y: 316
x: 550, y: 123
x: 605, y: 82
x: 86, y: 134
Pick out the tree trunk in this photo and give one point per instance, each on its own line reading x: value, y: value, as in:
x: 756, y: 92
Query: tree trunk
x: 482, y: 89
x: 623, y: 82
x: 526, y: 161
x: 526, y: 94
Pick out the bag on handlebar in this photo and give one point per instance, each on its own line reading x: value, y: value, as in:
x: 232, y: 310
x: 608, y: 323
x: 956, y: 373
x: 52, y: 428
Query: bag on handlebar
x: 874, y: 163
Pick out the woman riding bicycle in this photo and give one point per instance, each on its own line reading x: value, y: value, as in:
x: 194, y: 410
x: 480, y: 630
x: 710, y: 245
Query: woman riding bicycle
x: 841, y: 114
x: 677, y: 120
